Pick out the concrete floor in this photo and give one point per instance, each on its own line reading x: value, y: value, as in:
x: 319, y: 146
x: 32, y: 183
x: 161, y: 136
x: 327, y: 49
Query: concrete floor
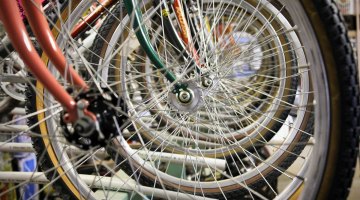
x: 355, y: 189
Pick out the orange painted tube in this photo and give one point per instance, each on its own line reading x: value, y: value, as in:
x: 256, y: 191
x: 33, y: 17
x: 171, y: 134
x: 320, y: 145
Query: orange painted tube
x: 40, y: 27
x: 19, y: 37
x: 91, y: 17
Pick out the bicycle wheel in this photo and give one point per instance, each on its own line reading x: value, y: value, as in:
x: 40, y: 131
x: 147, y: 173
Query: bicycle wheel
x: 60, y: 160
x: 74, y: 173
x: 305, y: 103
x: 275, y: 35
x: 268, y: 95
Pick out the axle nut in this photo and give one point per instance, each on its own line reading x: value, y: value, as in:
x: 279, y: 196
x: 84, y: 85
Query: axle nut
x: 184, y: 96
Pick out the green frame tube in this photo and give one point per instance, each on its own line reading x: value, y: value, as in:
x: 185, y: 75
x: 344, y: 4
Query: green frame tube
x: 144, y: 40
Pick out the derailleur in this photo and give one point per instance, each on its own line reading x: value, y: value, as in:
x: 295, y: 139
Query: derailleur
x: 110, y: 112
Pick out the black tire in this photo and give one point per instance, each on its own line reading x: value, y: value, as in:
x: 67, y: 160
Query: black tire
x: 343, y: 82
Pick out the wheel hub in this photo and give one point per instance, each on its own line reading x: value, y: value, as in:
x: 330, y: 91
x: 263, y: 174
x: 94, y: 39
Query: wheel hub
x: 185, y: 96
x: 188, y: 99
x: 84, y: 133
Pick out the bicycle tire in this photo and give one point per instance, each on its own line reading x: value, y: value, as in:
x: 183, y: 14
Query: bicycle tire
x: 336, y: 182
x: 340, y: 69
x: 109, y: 27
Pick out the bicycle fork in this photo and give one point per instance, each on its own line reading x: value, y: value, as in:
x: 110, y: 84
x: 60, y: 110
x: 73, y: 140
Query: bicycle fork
x: 9, y: 15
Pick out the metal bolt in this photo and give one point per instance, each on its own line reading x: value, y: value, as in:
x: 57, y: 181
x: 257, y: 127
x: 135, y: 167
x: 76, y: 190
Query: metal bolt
x: 184, y: 96
x: 207, y: 82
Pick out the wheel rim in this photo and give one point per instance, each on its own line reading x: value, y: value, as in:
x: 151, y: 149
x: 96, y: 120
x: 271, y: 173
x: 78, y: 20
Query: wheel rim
x: 301, y: 113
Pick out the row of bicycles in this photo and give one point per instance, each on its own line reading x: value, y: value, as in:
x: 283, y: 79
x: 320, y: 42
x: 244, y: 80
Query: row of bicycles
x: 180, y: 99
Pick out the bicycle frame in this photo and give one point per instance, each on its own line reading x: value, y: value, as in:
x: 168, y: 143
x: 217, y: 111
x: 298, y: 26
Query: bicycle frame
x: 19, y: 36
x: 83, y: 25
x: 76, y: 31
x: 23, y: 45
x: 9, y: 15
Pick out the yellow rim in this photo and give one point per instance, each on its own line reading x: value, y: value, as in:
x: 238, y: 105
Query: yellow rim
x: 41, y: 117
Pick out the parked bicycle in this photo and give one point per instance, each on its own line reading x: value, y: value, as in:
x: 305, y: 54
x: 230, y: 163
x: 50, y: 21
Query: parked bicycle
x: 221, y: 99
